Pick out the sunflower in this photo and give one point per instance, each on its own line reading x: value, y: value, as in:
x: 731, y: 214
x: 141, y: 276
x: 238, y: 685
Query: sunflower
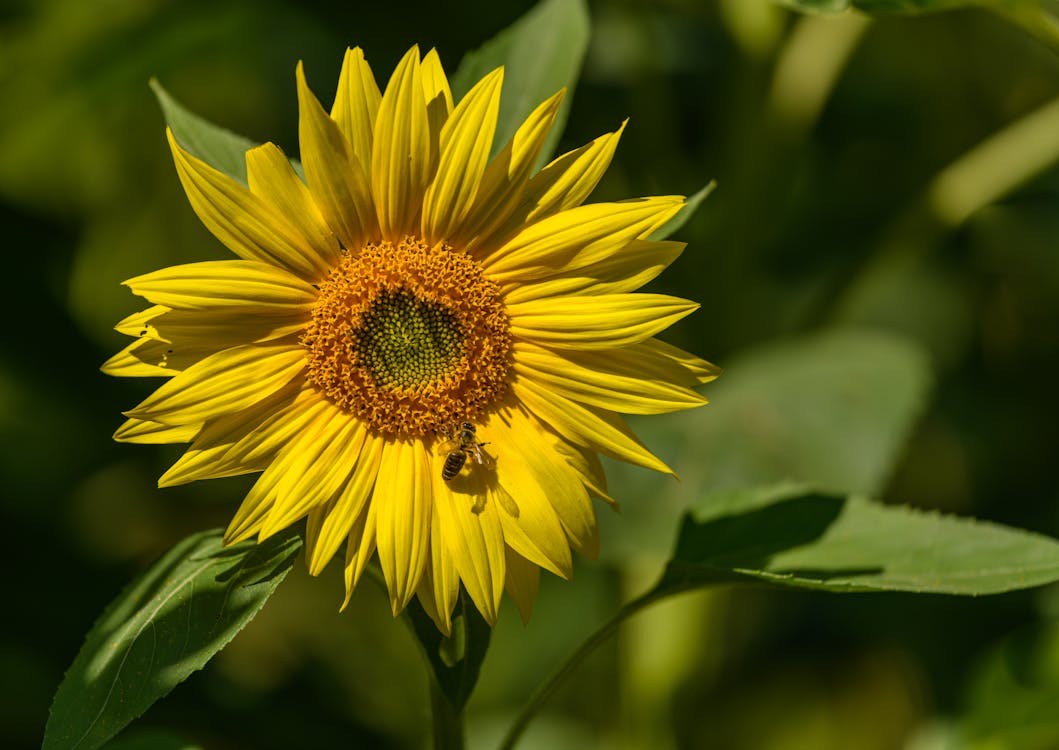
x: 422, y: 350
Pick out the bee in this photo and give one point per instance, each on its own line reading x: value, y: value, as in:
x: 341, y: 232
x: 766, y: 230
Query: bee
x: 459, y: 447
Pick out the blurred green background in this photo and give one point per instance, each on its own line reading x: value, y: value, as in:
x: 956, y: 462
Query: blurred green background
x: 889, y: 324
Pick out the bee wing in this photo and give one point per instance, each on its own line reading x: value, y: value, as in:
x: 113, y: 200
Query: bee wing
x: 482, y: 458
x: 452, y: 445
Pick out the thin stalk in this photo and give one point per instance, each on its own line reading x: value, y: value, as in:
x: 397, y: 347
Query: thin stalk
x: 546, y: 690
x: 981, y: 176
x: 448, y: 721
x: 996, y: 166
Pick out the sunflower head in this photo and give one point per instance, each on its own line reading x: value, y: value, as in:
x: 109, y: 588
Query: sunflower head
x: 422, y: 350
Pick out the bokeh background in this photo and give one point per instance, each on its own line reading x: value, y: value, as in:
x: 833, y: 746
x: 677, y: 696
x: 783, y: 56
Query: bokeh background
x: 886, y: 308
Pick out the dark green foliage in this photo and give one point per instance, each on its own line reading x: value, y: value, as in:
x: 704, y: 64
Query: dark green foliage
x: 164, y: 626
x: 795, y: 537
x: 542, y: 52
x: 457, y: 660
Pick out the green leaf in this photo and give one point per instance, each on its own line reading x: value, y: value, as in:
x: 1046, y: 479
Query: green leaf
x: 682, y: 217
x: 791, y: 536
x: 217, y: 146
x: 832, y: 408
x: 164, y: 626
x: 542, y: 52
x: 456, y: 661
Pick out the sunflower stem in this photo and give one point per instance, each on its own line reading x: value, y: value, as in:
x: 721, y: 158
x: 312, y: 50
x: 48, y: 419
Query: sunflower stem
x: 546, y: 690
x: 448, y: 720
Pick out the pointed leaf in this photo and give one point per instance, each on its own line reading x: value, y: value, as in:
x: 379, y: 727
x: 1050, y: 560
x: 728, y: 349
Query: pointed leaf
x: 164, y: 626
x: 792, y: 536
x: 691, y: 205
x: 542, y: 52
x: 219, y: 147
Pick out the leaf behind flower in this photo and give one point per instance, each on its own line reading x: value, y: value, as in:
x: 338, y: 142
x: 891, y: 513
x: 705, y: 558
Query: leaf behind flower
x: 542, y: 52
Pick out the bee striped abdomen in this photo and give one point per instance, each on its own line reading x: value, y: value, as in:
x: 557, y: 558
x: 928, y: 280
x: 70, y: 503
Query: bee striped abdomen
x: 453, y: 463
x: 461, y: 444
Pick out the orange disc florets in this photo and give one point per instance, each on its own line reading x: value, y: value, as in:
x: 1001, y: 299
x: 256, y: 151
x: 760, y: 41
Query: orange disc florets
x: 408, y: 337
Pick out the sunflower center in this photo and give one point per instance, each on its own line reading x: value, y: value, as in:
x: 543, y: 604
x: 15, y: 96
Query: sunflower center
x: 406, y: 342
x: 411, y: 338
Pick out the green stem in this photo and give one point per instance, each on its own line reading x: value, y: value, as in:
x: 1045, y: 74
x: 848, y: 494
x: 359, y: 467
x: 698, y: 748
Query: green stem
x: 545, y: 691
x: 996, y: 166
x: 980, y: 177
x: 448, y: 721
x: 448, y: 729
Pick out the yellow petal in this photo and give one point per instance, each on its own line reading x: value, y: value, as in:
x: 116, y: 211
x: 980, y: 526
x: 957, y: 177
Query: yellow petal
x: 356, y: 105
x: 247, y: 285
x: 219, y: 449
x: 360, y: 545
x: 578, y: 237
x: 274, y: 180
x: 177, y: 339
x: 531, y: 526
x: 400, y: 164
x: 562, y: 184
x: 540, y: 463
x: 501, y: 189
x: 211, y: 462
x: 254, y: 509
x: 593, y: 380
x: 656, y: 359
x: 596, y: 322
x: 144, y: 358
x: 262, y: 497
x: 625, y: 271
x: 247, y: 225
x: 436, y: 84
x: 139, y: 323
x: 585, y: 426
x: 425, y: 594
x: 588, y: 466
x: 147, y: 432
x: 438, y: 100
x: 336, y: 179
x: 285, y: 416
x: 465, y: 143
x: 474, y: 539
x: 326, y: 454
x: 569, y: 179
x: 221, y: 328
x: 403, y: 507
x: 314, y: 520
x: 226, y: 382
x: 523, y: 580
x: 443, y: 581
x: 350, y: 504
